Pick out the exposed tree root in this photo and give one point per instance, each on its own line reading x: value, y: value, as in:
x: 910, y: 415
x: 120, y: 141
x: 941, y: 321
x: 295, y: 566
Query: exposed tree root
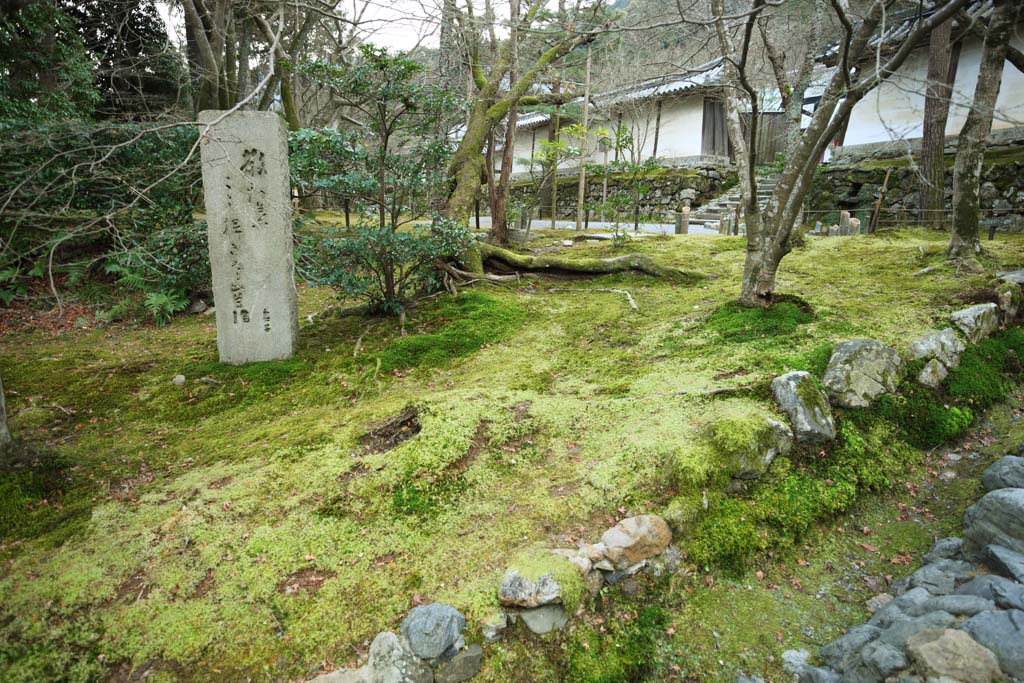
x: 592, y: 266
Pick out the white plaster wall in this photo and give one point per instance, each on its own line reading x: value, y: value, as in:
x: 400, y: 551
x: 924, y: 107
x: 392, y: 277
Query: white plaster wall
x: 895, y: 110
x: 523, y: 149
x: 682, y: 126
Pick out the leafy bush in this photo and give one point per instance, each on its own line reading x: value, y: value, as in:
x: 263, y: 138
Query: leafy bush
x: 741, y: 324
x: 385, y: 266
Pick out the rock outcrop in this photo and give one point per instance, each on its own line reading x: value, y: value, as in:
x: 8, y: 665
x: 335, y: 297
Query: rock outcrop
x: 860, y: 371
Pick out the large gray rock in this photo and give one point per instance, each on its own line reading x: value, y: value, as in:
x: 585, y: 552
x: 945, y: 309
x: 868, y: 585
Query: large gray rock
x: 360, y: 675
x: 1005, y: 473
x: 248, y: 215
x: 1005, y: 562
x: 932, y: 374
x: 816, y: 674
x: 1003, y: 633
x: 461, y: 667
x: 392, y: 662
x: 518, y: 591
x: 545, y: 619
x: 953, y: 655
x: 944, y: 549
x: 1002, y: 591
x: 908, y: 604
x: 901, y: 631
x: 807, y: 407
x: 943, y: 346
x: 881, y: 660
x: 941, y: 578
x: 845, y: 651
x: 860, y: 371
x: 794, y: 660
x: 977, y: 322
x: 957, y: 605
x: 432, y: 630
x: 995, y: 519
x: 636, y: 539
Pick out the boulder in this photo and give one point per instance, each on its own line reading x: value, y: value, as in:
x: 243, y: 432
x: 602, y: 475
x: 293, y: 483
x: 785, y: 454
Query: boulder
x: 846, y: 650
x: 794, y: 660
x: 392, y: 662
x: 360, y: 675
x: 877, y: 602
x: 545, y: 619
x: 943, y: 346
x: 944, y: 549
x: 493, y: 628
x: 461, y: 667
x: 635, y: 539
x: 957, y: 605
x: 816, y: 674
x: 860, y: 371
x: 1005, y: 473
x: 995, y: 519
x: 1003, y: 592
x: 1002, y: 632
x: 879, y: 660
x: 932, y: 374
x: 539, y: 577
x: 901, y: 631
x: 748, y: 440
x: 1011, y: 301
x: 1015, y: 277
x: 806, y: 405
x: 940, y: 578
x: 432, y: 630
x: 953, y: 654
x: 977, y: 322
x: 1005, y: 562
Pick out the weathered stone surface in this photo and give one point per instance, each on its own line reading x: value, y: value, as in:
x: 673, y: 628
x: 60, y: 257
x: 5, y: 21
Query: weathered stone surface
x: 860, y: 371
x: 391, y: 662
x: 846, y: 650
x: 996, y: 518
x: 900, y: 631
x: 545, y: 619
x: 957, y: 605
x: 882, y: 660
x: 932, y: 374
x: 360, y: 675
x: 817, y: 674
x: 432, y: 629
x: 178, y: 381
x: 461, y: 667
x: 248, y: 213
x: 953, y: 654
x: 493, y: 628
x: 977, y: 322
x: 877, y: 602
x: 1005, y: 562
x: 904, y: 606
x: 1004, y: 592
x: 1012, y: 276
x: 1003, y: 633
x: 1007, y: 472
x: 943, y: 346
x: 944, y: 549
x: 806, y: 405
x: 794, y: 660
x: 518, y: 591
x: 635, y: 539
x: 1011, y: 301
x: 940, y: 578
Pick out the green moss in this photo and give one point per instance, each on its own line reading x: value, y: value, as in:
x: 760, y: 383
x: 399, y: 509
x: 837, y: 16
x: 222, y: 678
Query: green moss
x: 983, y: 376
x: 740, y: 433
x: 727, y: 536
x: 468, y: 322
x: 924, y: 419
x: 796, y: 500
x: 740, y: 324
x: 537, y: 562
x: 622, y: 650
x: 814, y: 361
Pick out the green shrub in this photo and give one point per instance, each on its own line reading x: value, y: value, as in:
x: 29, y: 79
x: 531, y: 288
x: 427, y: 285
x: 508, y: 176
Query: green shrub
x: 740, y: 324
x: 982, y: 377
x: 924, y: 420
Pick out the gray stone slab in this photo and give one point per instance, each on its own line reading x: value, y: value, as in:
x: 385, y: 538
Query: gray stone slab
x: 248, y: 214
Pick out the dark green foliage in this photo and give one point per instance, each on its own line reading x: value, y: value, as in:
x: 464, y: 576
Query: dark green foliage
x: 983, y: 377
x: 814, y: 361
x: 625, y: 652
x: 741, y: 324
x: 796, y: 500
x: 469, y: 321
x: 922, y: 417
x: 727, y: 536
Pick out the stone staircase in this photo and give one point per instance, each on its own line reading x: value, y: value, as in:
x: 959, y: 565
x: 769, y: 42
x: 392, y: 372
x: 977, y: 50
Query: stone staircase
x: 719, y: 215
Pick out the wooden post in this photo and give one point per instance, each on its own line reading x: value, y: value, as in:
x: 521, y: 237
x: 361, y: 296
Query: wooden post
x: 478, y: 214
x: 586, y: 144
x: 348, y: 223
x: 586, y: 219
x: 991, y: 232
x: 875, y: 216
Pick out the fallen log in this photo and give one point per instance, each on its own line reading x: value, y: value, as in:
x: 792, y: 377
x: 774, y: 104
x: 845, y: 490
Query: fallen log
x: 640, y: 263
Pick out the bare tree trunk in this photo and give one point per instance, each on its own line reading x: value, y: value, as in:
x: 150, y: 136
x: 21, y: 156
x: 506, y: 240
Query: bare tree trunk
x: 448, y: 53
x: 581, y: 194
x: 499, y: 218
x: 5, y: 433
x: 971, y: 143
x: 939, y: 90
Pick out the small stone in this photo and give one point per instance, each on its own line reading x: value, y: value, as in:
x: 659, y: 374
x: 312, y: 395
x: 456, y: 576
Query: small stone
x: 954, y: 655
x: 807, y: 407
x: 816, y: 674
x: 461, y: 667
x: 944, y: 549
x: 635, y: 539
x: 932, y: 374
x: 518, y: 591
x: 861, y: 370
x: 594, y: 582
x: 432, y: 630
x: 179, y: 380
x: 845, y: 650
x: 943, y: 346
x: 197, y: 307
x: 1003, y: 592
x: 1005, y: 562
x: 545, y: 619
x: 1002, y: 632
x: 877, y: 602
x: 391, y: 662
x: 1007, y: 472
x: 794, y: 660
x: 630, y: 588
x: 977, y: 322
x: 494, y: 628
x: 883, y: 659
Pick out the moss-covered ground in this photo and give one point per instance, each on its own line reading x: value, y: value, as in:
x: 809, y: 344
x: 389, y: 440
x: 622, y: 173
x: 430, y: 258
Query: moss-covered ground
x: 266, y: 521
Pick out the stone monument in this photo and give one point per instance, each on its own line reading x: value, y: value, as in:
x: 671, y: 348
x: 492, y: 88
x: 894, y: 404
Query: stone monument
x: 248, y: 214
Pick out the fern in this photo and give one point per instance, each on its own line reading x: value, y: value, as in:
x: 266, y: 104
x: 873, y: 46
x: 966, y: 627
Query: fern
x: 163, y: 305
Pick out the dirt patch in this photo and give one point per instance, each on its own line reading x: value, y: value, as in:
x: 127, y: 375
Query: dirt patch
x: 477, y: 445
x: 128, y: 490
x: 205, y: 586
x: 388, y: 434
x: 521, y: 411
x: 220, y: 483
x: 308, y: 580
x: 982, y: 295
x: 132, y: 589
x: 730, y: 375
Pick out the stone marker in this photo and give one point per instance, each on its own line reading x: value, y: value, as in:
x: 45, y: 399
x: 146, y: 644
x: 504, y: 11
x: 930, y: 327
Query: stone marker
x: 248, y: 213
x: 5, y: 433
x: 855, y: 226
x: 817, y: 227
x: 833, y: 231
x: 844, y: 223
x: 683, y: 221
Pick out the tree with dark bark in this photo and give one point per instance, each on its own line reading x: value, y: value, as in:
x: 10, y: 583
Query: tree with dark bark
x: 5, y: 433
x: 938, y: 92
x: 971, y: 142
